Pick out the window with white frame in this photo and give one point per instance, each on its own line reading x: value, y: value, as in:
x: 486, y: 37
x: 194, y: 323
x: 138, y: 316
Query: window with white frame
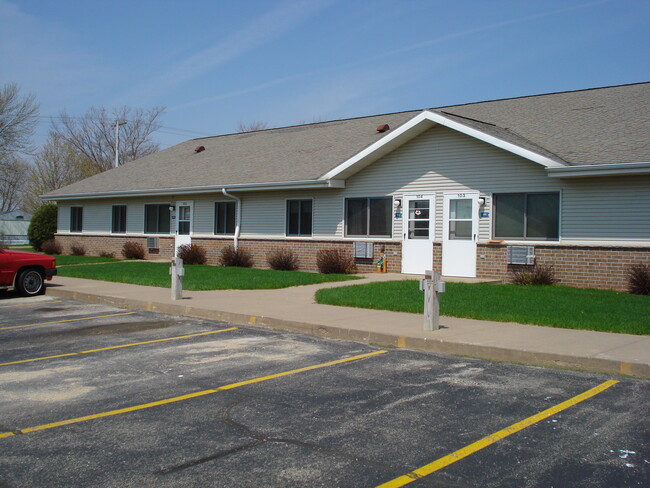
x: 119, y: 219
x: 527, y: 216
x: 299, y: 217
x: 369, y: 217
x: 76, y: 219
x: 224, y: 217
x: 156, y: 218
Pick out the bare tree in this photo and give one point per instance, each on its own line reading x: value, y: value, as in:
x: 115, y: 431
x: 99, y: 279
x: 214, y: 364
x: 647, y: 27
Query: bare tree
x: 252, y: 126
x: 17, y: 119
x: 56, y: 165
x: 14, y: 173
x: 93, y: 135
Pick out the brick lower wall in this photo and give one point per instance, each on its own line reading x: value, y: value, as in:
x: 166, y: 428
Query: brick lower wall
x: 581, y: 266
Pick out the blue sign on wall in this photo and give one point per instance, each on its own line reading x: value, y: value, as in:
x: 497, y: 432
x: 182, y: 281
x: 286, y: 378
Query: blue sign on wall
x: 485, y: 214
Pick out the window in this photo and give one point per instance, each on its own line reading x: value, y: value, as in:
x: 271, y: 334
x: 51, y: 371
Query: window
x: 76, y: 219
x: 533, y: 216
x: 156, y: 218
x: 224, y: 217
x: 368, y: 217
x: 119, y: 219
x: 299, y: 217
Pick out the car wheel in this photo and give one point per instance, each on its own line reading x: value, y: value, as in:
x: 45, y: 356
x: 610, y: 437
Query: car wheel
x: 30, y: 282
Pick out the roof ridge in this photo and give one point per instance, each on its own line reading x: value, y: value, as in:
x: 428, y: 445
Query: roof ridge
x: 310, y: 123
x: 541, y: 95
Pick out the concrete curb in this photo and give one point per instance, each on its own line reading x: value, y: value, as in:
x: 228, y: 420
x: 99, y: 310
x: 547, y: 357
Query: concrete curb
x: 492, y: 353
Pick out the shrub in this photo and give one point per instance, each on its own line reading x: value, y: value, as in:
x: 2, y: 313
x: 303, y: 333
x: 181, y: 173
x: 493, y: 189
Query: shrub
x: 192, y: 254
x: 51, y: 246
x: 283, y: 260
x: 43, y: 225
x: 133, y: 250
x: 238, y: 258
x: 335, y: 261
x: 537, y: 275
x: 106, y: 254
x: 638, y: 279
x: 77, y: 249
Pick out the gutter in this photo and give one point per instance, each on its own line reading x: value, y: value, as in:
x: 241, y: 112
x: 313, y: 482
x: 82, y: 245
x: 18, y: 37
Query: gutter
x: 591, y: 170
x: 198, y: 190
x: 237, y: 217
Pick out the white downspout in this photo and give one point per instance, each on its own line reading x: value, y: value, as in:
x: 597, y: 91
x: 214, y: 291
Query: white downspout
x: 237, y: 216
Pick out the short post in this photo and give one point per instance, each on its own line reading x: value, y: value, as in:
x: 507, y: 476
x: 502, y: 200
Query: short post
x: 432, y: 287
x: 177, y: 271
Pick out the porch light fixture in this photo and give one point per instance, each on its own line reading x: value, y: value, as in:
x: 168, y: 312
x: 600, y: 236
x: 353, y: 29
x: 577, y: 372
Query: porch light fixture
x: 397, y: 203
x: 481, y: 201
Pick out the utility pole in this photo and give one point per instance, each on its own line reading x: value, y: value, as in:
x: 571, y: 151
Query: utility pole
x: 117, y: 141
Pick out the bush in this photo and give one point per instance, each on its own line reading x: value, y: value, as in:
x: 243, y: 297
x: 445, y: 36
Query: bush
x: 239, y: 258
x: 192, y: 254
x: 106, y: 254
x: 638, y: 279
x: 51, y: 246
x: 282, y: 260
x: 133, y: 250
x: 43, y: 225
x: 77, y: 249
x: 335, y: 261
x: 538, y: 275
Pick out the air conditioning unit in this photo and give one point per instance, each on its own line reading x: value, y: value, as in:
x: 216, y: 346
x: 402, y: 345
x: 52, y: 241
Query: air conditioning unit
x: 152, y: 242
x: 521, y: 255
x: 363, y: 250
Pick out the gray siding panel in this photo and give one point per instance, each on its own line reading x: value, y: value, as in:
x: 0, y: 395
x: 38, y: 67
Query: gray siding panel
x: 439, y: 160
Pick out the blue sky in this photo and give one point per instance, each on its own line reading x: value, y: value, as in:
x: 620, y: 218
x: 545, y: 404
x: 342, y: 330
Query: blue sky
x: 215, y: 63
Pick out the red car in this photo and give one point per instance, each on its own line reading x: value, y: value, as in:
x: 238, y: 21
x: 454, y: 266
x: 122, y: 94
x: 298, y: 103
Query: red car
x: 25, y: 271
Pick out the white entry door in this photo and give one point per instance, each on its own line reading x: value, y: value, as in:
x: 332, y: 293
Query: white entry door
x: 417, y: 245
x: 460, y: 234
x: 184, y: 211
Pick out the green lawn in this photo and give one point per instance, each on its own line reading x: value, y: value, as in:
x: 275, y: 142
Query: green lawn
x: 555, y: 306
x: 65, y: 260
x: 199, y: 277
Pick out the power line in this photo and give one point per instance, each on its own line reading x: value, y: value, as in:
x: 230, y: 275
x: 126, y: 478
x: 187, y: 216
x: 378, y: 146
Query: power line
x: 178, y: 130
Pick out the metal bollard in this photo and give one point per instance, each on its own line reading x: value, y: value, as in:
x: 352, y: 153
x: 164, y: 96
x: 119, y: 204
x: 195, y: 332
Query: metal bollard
x: 432, y: 287
x: 177, y: 272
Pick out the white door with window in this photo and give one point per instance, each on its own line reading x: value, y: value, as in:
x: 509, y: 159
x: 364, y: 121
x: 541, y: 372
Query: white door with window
x: 184, y: 211
x: 460, y: 234
x: 418, y: 229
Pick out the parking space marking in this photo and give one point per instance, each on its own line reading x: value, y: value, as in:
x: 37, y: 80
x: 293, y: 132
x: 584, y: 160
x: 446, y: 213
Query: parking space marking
x: 189, y: 396
x: 66, y: 320
x: 491, y: 439
x: 89, y: 351
x: 31, y: 303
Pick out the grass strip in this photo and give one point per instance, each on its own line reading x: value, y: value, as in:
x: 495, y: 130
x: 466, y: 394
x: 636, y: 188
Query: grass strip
x: 66, y: 260
x: 554, y: 306
x: 199, y: 277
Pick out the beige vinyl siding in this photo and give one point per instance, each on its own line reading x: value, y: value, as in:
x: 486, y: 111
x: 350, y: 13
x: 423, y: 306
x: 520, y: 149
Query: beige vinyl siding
x: 611, y: 209
x: 442, y: 160
x: 606, y: 209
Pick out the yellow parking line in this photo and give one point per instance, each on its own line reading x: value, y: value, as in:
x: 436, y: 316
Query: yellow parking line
x: 66, y: 320
x: 186, y: 397
x: 118, y: 347
x: 491, y: 439
x: 32, y: 303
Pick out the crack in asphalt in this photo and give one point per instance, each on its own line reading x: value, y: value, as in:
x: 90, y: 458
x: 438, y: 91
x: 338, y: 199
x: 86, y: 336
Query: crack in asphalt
x: 260, y: 439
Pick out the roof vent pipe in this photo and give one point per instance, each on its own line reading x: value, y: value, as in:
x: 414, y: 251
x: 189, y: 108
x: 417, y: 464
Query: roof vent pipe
x: 237, y: 217
x: 382, y: 128
x: 198, y: 149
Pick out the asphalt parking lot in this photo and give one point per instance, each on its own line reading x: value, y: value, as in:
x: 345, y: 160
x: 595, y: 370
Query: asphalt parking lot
x: 92, y: 395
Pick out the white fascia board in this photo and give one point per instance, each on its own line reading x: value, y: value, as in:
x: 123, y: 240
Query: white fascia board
x: 284, y: 185
x: 416, y: 126
x: 591, y: 170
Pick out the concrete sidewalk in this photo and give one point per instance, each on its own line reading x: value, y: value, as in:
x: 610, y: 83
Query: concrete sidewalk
x: 294, y: 309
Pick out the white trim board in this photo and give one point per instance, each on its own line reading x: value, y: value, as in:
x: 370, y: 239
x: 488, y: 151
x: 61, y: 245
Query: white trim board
x: 416, y: 126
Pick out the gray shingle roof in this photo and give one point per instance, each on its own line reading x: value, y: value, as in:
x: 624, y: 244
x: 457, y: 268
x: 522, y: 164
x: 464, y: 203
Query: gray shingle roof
x: 596, y: 126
